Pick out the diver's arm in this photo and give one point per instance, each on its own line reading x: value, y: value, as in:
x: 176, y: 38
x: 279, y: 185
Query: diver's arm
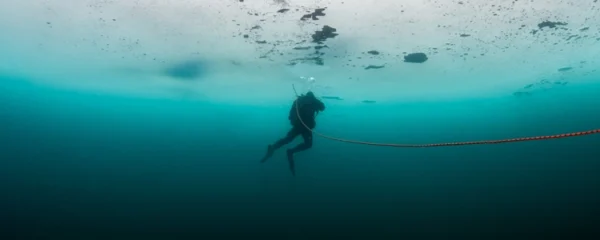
x: 321, y: 106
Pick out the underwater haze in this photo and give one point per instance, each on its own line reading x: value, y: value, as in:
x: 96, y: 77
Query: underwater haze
x: 149, y: 119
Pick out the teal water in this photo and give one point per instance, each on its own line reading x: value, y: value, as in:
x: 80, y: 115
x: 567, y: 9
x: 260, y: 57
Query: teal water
x: 85, y: 165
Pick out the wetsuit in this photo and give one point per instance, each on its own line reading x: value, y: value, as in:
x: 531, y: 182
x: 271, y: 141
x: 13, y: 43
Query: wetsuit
x: 308, y: 106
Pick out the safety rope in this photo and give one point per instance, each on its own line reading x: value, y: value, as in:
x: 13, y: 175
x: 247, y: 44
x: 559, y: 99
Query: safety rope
x: 523, y: 139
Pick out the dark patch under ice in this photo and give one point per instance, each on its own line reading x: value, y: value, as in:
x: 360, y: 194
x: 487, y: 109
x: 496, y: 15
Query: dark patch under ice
x: 564, y: 69
x: 302, y: 48
x: 317, y: 13
x: 187, y: 70
x: 374, y: 67
x: 316, y: 60
x: 540, y: 86
x: 550, y: 24
x: 326, y: 32
x: 332, y: 97
x: 415, y: 58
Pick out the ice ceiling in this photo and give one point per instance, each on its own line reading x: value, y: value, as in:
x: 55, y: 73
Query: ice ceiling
x: 253, y: 50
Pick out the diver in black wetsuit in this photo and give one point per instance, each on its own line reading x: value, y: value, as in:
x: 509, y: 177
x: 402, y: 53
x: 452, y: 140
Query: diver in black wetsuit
x: 308, y: 106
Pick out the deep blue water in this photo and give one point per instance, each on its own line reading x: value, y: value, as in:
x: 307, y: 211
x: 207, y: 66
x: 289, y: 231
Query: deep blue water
x: 83, y: 165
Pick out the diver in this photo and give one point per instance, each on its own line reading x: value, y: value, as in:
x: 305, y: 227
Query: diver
x: 308, y: 107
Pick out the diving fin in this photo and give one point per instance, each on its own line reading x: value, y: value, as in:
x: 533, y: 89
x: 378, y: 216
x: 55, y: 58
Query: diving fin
x: 290, y: 157
x: 270, y: 151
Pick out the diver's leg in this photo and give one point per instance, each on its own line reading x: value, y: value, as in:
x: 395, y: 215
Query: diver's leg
x: 293, y: 133
x: 307, y: 135
x: 308, y: 141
